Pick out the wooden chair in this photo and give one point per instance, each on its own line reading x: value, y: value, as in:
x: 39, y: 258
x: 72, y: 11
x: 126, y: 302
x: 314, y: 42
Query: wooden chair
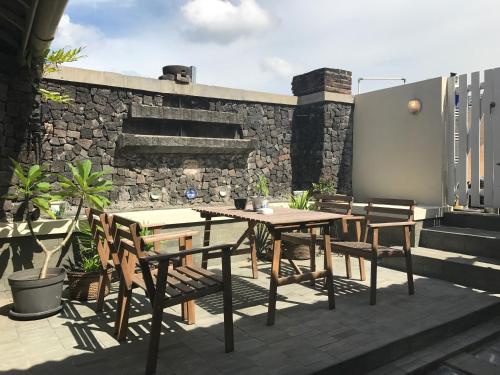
x: 170, y: 283
x: 116, y: 226
x: 372, y: 250
x: 109, y: 259
x: 339, y: 204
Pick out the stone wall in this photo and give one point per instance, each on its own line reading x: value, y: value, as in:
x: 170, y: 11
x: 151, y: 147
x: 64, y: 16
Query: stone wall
x: 293, y: 145
x: 322, y: 145
x: 19, y: 123
x: 90, y: 126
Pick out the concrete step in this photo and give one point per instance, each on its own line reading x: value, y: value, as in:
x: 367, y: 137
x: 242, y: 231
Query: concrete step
x: 456, y: 330
x: 471, y: 241
x: 476, y: 272
x: 476, y: 220
x: 469, y: 364
x: 422, y: 361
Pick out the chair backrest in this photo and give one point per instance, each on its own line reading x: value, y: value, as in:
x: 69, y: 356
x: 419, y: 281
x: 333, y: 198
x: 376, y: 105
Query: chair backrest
x: 98, y: 229
x: 334, y: 203
x: 130, y: 248
x: 388, y: 210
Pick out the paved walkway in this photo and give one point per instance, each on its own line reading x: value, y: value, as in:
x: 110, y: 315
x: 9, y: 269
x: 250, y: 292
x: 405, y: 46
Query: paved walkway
x: 306, y: 337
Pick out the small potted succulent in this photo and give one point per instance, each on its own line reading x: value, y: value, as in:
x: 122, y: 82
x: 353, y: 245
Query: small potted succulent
x: 85, y: 268
x: 262, y: 190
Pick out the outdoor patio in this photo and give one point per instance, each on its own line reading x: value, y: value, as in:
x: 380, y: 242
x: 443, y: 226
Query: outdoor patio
x: 307, y: 337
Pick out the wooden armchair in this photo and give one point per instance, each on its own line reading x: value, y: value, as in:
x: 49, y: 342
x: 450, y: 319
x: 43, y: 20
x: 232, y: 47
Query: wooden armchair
x: 372, y: 250
x: 339, y: 204
x: 131, y: 274
x: 170, y: 279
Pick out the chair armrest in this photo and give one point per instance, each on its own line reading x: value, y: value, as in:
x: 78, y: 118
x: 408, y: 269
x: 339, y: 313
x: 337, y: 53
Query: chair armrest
x: 394, y: 224
x: 354, y: 218
x: 182, y: 253
x: 168, y: 236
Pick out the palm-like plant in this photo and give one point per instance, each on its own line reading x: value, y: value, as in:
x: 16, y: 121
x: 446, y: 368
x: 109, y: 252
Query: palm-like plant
x: 300, y: 201
x: 33, y: 189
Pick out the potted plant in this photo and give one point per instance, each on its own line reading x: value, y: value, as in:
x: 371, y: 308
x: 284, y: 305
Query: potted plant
x: 298, y: 251
x: 85, y: 268
x: 262, y: 189
x: 37, y: 292
x: 263, y: 243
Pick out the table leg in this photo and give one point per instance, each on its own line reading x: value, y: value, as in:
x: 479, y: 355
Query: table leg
x: 253, y: 251
x: 273, y: 287
x: 329, y: 268
x: 188, y: 308
x: 206, y: 240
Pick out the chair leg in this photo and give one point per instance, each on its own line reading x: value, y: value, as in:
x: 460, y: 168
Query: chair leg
x: 101, y: 289
x: 154, y: 341
x: 362, y: 268
x: 348, y: 266
x: 121, y: 323
x: 409, y: 272
x: 119, y: 302
x: 373, y: 282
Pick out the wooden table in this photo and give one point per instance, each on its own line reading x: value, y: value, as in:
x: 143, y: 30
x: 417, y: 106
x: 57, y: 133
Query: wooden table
x: 282, y: 220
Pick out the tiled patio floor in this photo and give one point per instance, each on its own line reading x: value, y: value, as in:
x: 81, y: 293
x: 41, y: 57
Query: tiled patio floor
x: 306, y: 337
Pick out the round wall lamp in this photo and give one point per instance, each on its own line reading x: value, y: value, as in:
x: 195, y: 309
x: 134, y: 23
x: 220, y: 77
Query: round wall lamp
x: 414, y: 106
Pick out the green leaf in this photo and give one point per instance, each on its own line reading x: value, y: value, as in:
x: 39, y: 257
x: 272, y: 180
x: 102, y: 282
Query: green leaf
x: 19, y: 172
x: 34, y: 172
x: 43, y: 186
x: 85, y: 168
x: 76, y: 176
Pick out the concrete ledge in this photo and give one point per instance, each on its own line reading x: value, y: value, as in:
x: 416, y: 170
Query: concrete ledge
x: 325, y: 96
x: 144, y: 216
x: 161, y: 144
x: 421, y: 212
x: 108, y: 79
x: 184, y: 114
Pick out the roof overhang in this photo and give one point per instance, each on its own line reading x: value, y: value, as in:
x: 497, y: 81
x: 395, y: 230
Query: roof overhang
x: 27, y: 27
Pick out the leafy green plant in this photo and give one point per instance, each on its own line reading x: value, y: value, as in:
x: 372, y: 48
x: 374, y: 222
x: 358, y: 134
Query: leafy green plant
x: 300, y: 201
x: 144, y: 231
x: 262, y: 186
x: 323, y: 187
x: 263, y: 241
x: 34, y: 189
x: 88, y: 260
x: 50, y: 63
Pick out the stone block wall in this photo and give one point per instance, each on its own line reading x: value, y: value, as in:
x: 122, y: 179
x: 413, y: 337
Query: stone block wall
x: 19, y: 125
x: 324, y: 79
x: 89, y: 128
x: 322, y: 145
x: 293, y: 145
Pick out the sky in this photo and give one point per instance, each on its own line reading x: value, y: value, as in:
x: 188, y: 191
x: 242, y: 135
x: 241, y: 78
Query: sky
x: 261, y: 44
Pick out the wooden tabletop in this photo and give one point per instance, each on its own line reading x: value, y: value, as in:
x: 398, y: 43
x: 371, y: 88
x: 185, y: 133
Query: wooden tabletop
x: 280, y: 216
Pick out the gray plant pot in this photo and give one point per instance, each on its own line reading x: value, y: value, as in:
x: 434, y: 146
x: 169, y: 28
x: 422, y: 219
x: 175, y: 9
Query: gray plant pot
x: 35, y: 298
x: 259, y: 202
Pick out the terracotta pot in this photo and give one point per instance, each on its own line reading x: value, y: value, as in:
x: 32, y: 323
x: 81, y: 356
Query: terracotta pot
x: 84, y: 286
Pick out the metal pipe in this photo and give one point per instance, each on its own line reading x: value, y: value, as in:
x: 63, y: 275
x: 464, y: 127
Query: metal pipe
x: 380, y: 79
x: 27, y: 31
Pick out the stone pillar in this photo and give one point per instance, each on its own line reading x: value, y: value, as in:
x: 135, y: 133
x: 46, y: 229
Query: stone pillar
x: 322, y: 129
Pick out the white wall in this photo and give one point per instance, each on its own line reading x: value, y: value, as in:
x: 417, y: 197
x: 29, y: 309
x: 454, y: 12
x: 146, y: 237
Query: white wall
x: 397, y: 154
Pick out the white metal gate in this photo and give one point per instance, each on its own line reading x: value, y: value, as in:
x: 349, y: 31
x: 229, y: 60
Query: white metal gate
x: 473, y: 139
